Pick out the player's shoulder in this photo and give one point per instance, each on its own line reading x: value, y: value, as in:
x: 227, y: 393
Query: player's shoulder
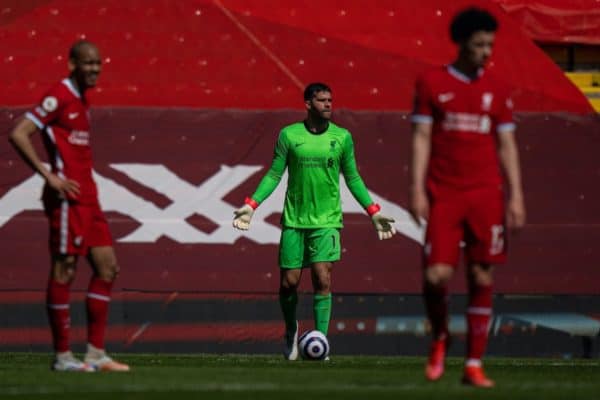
x: 59, y: 93
x: 62, y: 89
x: 292, y: 129
x: 338, y: 130
x: 295, y: 126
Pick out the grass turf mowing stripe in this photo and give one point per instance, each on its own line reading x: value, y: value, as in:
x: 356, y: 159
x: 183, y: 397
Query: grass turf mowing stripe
x: 27, y: 375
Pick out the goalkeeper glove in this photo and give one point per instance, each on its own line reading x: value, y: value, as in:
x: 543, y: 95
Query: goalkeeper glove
x: 243, y: 215
x: 383, y: 224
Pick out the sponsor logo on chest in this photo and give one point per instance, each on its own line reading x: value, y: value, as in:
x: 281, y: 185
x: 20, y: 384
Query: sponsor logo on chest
x: 79, y: 138
x: 476, y: 122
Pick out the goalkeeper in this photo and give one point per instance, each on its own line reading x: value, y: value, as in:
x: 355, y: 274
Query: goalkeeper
x: 315, y: 151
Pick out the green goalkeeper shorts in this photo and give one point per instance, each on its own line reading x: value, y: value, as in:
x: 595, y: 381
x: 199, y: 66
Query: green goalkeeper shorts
x: 300, y: 248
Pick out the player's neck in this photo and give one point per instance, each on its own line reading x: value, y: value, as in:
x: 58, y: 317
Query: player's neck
x: 80, y: 88
x: 467, y: 69
x: 316, y: 126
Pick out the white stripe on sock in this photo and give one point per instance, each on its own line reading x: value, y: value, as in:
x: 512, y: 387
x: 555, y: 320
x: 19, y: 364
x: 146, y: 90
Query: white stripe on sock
x: 58, y: 306
x: 98, y: 296
x: 479, y: 310
x: 473, y: 362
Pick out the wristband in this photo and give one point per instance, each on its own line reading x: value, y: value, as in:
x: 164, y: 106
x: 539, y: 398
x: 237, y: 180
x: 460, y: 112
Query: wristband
x: 373, y: 209
x: 252, y: 203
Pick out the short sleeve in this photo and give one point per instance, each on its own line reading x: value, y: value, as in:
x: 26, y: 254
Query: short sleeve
x: 422, y: 108
x: 46, y: 111
x: 505, y: 115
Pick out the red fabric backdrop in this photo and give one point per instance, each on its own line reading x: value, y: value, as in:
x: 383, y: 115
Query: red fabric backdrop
x: 257, y: 55
x: 557, y: 21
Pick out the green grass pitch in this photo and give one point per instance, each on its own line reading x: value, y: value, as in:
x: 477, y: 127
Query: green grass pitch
x: 27, y: 375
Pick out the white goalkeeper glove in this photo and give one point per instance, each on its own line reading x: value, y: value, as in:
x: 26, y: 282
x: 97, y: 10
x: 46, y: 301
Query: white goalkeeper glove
x: 243, y: 215
x: 383, y: 224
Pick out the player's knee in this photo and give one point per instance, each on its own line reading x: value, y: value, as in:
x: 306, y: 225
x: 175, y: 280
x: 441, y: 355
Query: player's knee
x: 438, y: 275
x: 68, y: 274
x: 64, y: 270
x: 286, y: 288
x: 109, y: 272
x: 481, y: 274
x: 289, y: 282
x: 323, y: 284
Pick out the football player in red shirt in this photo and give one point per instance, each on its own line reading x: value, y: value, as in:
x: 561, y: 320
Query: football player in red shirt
x: 70, y: 198
x: 463, y: 142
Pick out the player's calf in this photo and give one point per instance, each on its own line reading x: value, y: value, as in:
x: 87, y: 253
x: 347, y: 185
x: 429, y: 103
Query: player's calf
x: 290, y: 350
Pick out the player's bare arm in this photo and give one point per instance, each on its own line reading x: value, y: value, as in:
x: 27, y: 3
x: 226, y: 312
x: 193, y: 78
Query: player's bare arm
x: 421, y: 148
x: 509, y: 160
x: 20, y: 138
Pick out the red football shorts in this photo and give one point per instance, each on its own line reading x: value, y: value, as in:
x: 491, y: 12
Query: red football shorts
x: 474, y: 217
x: 74, y: 227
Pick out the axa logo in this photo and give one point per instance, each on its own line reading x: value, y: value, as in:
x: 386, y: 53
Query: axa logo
x: 205, y: 199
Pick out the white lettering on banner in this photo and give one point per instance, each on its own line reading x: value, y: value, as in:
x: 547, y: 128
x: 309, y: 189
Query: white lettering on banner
x: 205, y: 199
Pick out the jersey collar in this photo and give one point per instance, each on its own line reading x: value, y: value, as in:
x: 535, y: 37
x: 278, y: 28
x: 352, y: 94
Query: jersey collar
x: 67, y: 82
x: 315, y: 133
x: 462, y: 77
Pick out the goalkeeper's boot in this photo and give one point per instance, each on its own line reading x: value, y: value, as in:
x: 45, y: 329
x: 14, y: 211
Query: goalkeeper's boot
x: 434, y: 369
x: 474, y: 376
x: 98, y: 359
x: 67, y: 362
x: 290, y: 351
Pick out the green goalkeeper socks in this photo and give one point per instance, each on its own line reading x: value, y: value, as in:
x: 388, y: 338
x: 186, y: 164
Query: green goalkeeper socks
x: 322, y: 312
x: 288, y: 307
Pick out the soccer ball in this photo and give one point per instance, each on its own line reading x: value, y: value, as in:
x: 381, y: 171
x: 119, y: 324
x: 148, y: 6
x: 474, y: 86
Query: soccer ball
x: 313, y: 345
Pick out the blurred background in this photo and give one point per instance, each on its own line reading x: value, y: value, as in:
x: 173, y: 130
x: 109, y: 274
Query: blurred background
x: 189, y: 105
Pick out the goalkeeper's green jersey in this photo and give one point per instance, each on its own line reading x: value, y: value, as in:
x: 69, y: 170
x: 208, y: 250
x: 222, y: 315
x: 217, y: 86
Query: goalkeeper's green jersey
x: 314, y: 162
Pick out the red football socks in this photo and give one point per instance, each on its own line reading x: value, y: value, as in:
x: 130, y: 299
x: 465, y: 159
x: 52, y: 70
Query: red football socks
x: 479, y: 312
x: 436, y: 306
x: 57, y: 303
x: 97, y: 302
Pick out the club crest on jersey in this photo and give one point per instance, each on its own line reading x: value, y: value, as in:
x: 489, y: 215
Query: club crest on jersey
x: 486, y: 101
x: 49, y: 103
x: 509, y: 104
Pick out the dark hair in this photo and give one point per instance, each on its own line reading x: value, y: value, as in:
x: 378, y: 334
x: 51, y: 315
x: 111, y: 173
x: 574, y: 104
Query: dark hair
x: 313, y: 88
x: 469, y: 21
x: 75, y: 50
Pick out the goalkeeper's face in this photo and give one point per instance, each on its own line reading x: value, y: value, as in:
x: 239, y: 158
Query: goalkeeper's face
x: 320, y: 105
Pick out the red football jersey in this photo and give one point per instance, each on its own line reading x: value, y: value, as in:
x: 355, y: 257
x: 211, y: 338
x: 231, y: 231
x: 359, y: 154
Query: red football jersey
x: 63, y: 117
x: 467, y: 115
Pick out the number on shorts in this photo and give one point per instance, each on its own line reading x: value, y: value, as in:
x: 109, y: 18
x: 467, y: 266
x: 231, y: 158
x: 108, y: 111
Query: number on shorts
x: 497, y: 246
